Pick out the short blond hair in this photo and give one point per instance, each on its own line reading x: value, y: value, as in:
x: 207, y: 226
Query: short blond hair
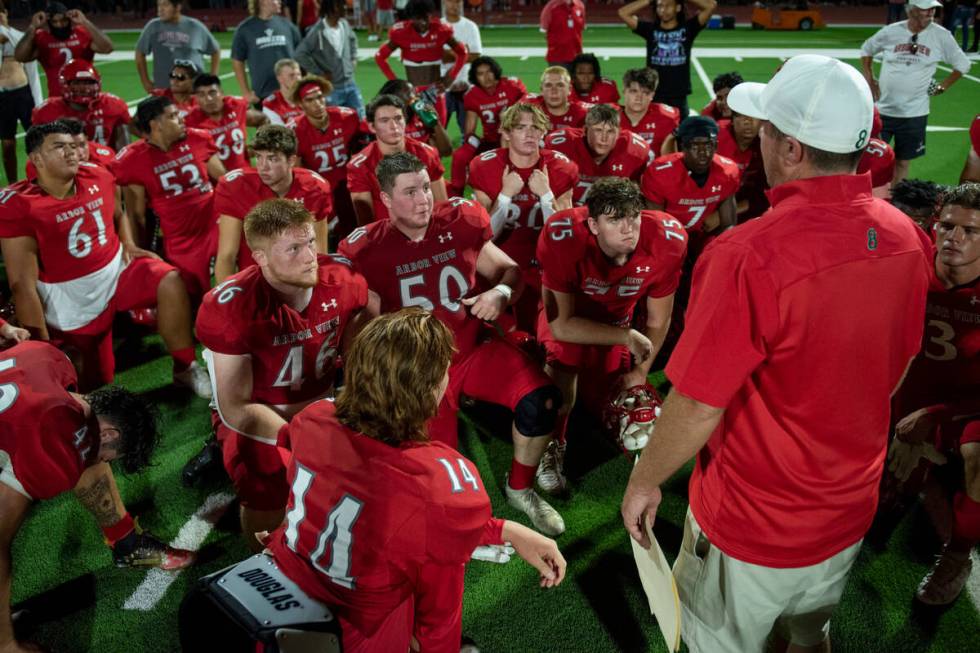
x: 556, y: 70
x: 271, y: 218
x: 512, y: 116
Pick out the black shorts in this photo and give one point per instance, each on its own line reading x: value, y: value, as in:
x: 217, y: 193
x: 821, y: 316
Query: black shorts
x: 909, y: 134
x: 15, y: 105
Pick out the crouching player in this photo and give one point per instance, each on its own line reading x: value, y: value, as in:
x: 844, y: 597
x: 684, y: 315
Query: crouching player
x: 597, y: 262
x: 273, y: 333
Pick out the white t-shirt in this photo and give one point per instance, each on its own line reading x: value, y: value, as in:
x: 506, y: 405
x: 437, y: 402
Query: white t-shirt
x: 335, y: 37
x: 905, y: 76
x: 468, y: 33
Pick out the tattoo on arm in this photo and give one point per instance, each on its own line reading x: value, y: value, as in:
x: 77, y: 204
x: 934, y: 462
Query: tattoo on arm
x: 98, y: 500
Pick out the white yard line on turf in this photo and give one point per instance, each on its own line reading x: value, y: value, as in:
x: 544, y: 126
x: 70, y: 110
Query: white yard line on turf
x: 190, y: 537
x: 703, y: 76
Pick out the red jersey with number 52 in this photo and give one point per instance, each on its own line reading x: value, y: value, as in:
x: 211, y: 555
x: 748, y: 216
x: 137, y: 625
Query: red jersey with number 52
x: 101, y: 117
x: 434, y: 273
x: 229, y: 131
x: 657, y: 123
x: 668, y: 182
x: 628, y: 158
x: 572, y: 262
x: 326, y: 151
x: 361, y: 177
x: 489, y: 106
x: 421, y: 48
x: 294, y: 353
x: 879, y: 160
x: 486, y: 174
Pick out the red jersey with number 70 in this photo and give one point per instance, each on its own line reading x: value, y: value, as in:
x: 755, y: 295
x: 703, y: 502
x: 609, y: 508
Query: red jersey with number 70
x: 488, y: 106
x: 668, y: 182
x: 628, y: 158
x: 326, y: 151
x: 361, y: 177
x: 229, y: 130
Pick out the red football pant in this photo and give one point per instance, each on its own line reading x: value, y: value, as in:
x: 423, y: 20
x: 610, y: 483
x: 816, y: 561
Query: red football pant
x: 193, y: 260
x: 256, y: 470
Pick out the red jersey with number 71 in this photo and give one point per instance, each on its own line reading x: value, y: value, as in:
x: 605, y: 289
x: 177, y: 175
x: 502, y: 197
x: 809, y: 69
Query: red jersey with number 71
x: 628, y: 158
x: 668, y: 182
x: 326, y: 151
x: 228, y: 130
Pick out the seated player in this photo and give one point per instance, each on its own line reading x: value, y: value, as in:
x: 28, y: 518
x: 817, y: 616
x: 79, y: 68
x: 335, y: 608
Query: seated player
x: 72, y: 263
x: 879, y: 160
x: 53, y: 440
x: 652, y: 121
x: 278, y: 108
x: 386, y: 120
x: 88, y: 151
x: 738, y: 141
x: 937, y: 405
x: 382, y: 519
x: 601, y: 150
x: 920, y: 200
x: 274, y: 175
x: 521, y: 186
x: 432, y: 256
x: 489, y: 94
x: 422, y: 125
x: 597, y: 262
x: 718, y: 108
x: 971, y: 167
x: 226, y: 118
x: 105, y: 115
x: 181, y: 89
x: 560, y: 107
x: 589, y: 84
x: 273, y: 333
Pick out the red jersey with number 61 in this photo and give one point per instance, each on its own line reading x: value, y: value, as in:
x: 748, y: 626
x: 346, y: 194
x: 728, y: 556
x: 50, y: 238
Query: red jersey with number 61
x: 668, y: 182
x: 294, y: 353
x: 101, y: 117
x: 489, y: 106
x: 362, y: 179
x: 628, y: 158
x: 228, y: 131
x: 657, y: 123
x: 326, y: 151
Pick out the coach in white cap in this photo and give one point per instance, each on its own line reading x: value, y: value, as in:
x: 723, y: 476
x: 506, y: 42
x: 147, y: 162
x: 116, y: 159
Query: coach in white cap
x: 801, y: 324
x: 910, y: 51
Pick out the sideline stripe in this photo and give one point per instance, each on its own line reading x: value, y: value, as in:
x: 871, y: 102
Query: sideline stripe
x: 703, y: 76
x: 191, y: 536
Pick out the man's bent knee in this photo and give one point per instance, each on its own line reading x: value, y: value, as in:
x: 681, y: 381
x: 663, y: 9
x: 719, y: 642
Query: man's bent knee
x: 537, y: 411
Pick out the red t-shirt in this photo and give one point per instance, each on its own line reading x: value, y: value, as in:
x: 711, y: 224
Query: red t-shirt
x: 668, y: 182
x: 574, y: 117
x: 628, y: 158
x: 879, y: 160
x: 44, y: 432
x: 183, y: 107
x: 563, y: 26
x: 294, y: 353
x: 772, y: 334
x: 434, y: 273
x: 489, y: 106
x: 603, y: 91
x: 240, y: 190
x: 100, y: 155
x: 278, y: 105
x: 572, y: 262
x: 229, y: 131
x: 421, y: 48
x: 327, y: 151
x: 101, y: 117
x: 486, y: 172
x: 403, y: 522
x: 659, y: 121
x: 53, y: 53
x: 361, y: 177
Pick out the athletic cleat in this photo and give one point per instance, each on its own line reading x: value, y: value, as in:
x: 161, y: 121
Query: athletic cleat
x: 946, y: 579
x: 196, y: 378
x: 543, y: 517
x: 140, y: 549
x: 551, y: 470
x: 206, y: 464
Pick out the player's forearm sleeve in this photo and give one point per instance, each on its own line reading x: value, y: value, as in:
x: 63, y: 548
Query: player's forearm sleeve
x: 381, y: 58
x: 501, y: 210
x: 461, y: 53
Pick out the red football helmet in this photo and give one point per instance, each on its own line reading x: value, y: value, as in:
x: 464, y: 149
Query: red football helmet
x: 80, y: 82
x: 629, y: 415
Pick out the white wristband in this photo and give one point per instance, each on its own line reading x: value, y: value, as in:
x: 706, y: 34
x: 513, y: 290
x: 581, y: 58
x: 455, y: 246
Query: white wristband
x: 504, y: 290
x: 547, y: 202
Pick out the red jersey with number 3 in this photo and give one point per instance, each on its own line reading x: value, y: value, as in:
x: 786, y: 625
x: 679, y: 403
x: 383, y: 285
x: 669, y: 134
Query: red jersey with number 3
x: 879, y: 160
x: 571, y: 262
x: 657, y: 123
x: 53, y: 53
x: 101, y: 117
x: 628, y: 158
x: 361, y: 177
x: 603, y: 91
x: 668, y: 182
x: 574, y: 117
x: 229, y: 130
x: 486, y: 174
x: 489, y: 106
x: 421, y: 48
x: 326, y: 151
x: 294, y: 353
x: 240, y: 190
x: 434, y: 273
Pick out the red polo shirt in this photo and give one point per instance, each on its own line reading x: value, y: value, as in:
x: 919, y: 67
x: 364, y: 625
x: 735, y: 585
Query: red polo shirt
x: 801, y: 324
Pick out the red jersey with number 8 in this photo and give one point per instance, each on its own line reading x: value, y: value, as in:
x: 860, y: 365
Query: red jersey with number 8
x: 229, y: 130
x: 668, y: 182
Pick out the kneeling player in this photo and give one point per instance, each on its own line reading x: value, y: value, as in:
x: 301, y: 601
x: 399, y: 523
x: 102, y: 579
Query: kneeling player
x: 273, y: 333
x: 597, y: 262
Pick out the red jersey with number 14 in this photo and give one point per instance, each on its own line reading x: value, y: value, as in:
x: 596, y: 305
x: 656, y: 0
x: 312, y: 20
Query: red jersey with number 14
x: 668, y: 182
x: 326, y: 151
x: 101, y: 117
x: 228, y: 130
x: 488, y: 106
x: 628, y: 158
x: 361, y: 177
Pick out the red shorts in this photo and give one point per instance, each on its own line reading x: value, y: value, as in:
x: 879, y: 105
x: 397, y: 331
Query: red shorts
x: 495, y: 371
x: 256, y: 470
x: 193, y: 259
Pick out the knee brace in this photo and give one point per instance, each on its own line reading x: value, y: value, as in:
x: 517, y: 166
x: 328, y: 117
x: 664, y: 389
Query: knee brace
x: 537, y: 411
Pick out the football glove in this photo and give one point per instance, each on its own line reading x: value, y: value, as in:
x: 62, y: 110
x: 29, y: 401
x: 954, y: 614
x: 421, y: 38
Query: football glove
x: 904, y: 457
x: 630, y: 414
x: 499, y: 553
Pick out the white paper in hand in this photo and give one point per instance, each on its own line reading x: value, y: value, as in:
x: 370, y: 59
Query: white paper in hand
x: 661, y: 590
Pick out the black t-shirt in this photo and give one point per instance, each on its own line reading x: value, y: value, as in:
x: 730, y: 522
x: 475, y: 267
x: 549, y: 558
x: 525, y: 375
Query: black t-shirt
x: 669, y: 53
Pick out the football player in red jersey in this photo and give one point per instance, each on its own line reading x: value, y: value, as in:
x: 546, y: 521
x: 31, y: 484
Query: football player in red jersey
x: 521, y: 186
x: 382, y: 519
x: 590, y: 86
x: 971, y: 167
x: 937, y: 404
x: 226, y: 118
x: 597, y: 262
x: 71, y: 271
x: 422, y: 125
x: 57, y: 36
x: 275, y: 175
x: 88, y: 151
x: 738, y: 140
x: 10, y: 335
x: 652, y: 121
x: 920, y: 200
x: 386, y: 119
x: 431, y: 256
x: 273, y: 333
x: 278, y: 108
x: 53, y: 440
x: 489, y: 94
x: 105, y: 115
x: 722, y: 85
x: 879, y: 160
x: 181, y: 89
x: 601, y: 150
x: 170, y: 170
x: 557, y: 102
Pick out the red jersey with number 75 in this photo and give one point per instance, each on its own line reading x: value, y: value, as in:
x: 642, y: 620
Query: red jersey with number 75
x: 628, y: 158
x: 361, y: 177
x: 668, y: 182
x: 229, y: 130
x: 326, y: 151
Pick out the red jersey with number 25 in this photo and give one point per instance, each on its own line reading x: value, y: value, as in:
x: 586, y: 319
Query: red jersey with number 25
x: 628, y: 158
x: 228, y: 131
x: 655, y: 125
x: 361, y: 177
x: 101, y: 117
x: 488, y: 106
x: 668, y: 182
x: 326, y: 151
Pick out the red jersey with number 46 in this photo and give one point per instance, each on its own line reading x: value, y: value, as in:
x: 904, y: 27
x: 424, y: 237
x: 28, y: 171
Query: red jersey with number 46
x: 489, y: 106
x: 421, y: 48
x: 326, y: 151
x: 603, y: 91
x: 628, y: 158
x: 101, y: 117
x: 46, y: 442
x: 668, y: 182
x: 361, y: 177
x: 520, y: 237
x: 228, y: 130
x: 240, y: 190
x: 574, y: 117
x: 571, y: 262
x: 294, y: 353
x: 53, y: 53
x: 434, y: 273
x: 879, y: 160
x: 657, y: 123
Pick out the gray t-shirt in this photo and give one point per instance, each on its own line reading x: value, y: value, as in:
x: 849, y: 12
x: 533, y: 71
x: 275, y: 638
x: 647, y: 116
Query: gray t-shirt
x: 188, y: 38
x: 260, y: 44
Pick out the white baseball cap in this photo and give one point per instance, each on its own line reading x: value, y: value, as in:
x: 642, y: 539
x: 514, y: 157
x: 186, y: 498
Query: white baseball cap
x: 925, y: 4
x: 819, y: 101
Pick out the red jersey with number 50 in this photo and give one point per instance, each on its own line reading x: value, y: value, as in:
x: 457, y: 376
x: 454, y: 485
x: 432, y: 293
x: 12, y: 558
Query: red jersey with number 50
x: 571, y: 262
x: 361, y: 177
x: 603, y: 91
x: 240, y: 190
x: 574, y: 117
x: 228, y: 130
x: 628, y: 158
x: 657, y: 123
x: 668, y: 182
x: 434, y: 273
x: 53, y: 53
x: 421, y: 48
x: 879, y: 160
x: 294, y: 353
x: 327, y: 151
x: 101, y: 117
x: 489, y: 106
x: 486, y: 173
